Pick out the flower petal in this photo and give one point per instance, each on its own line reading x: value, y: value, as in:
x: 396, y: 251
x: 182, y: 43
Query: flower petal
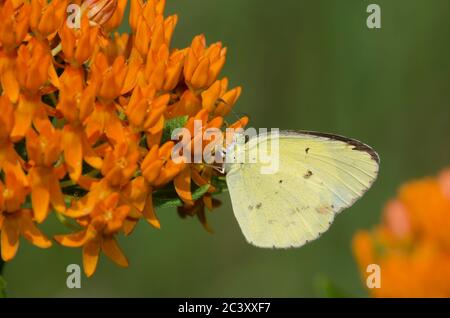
x: 56, y: 195
x: 91, y: 252
x: 9, y: 238
x: 182, y: 184
x: 40, y: 198
x: 129, y: 225
x: 73, y: 152
x: 10, y: 85
x: 77, y: 239
x: 149, y: 212
x: 113, y: 251
x: 31, y: 232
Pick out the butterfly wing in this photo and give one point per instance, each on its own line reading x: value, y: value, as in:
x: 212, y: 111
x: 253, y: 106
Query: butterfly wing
x: 319, y: 175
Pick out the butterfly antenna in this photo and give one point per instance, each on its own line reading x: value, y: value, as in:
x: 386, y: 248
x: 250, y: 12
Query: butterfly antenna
x: 221, y: 100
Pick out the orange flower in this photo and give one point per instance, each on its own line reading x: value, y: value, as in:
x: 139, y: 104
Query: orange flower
x: 218, y: 100
x: 198, y: 209
x: 43, y: 152
x: 33, y: 63
x: 99, y: 234
x: 86, y: 113
x: 16, y: 221
x: 120, y: 164
x: 152, y: 31
x: 182, y: 181
x: 105, y: 120
x: 138, y: 196
x: 10, y: 161
x: 99, y: 11
x: 114, y: 21
x: 47, y: 17
x: 203, y: 65
x: 109, y: 79
x: 145, y: 111
x: 412, y: 244
x: 158, y: 167
x: 15, y: 23
x: 8, y: 78
x: 76, y: 104
x: 188, y: 104
x: 163, y: 68
x: 29, y: 110
x: 78, y: 45
x: 145, y: 10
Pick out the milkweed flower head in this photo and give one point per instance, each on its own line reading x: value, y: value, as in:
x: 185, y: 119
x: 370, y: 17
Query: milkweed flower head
x: 412, y: 244
x: 86, y: 119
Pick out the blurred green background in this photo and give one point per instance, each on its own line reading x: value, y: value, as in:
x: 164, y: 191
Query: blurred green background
x: 303, y: 65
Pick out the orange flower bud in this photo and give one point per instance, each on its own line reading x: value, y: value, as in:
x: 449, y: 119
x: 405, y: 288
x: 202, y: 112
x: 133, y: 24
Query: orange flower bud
x: 14, y: 26
x: 33, y: 63
x: 46, y: 18
x: 202, y: 64
x: 99, y: 11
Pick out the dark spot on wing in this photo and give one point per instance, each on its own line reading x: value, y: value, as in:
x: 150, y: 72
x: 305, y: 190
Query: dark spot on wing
x: 307, y: 150
x: 250, y: 207
x: 357, y: 145
x: 280, y: 182
x: 308, y: 174
x: 258, y: 206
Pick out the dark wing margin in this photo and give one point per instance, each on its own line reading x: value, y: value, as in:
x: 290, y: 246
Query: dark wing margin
x: 357, y: 145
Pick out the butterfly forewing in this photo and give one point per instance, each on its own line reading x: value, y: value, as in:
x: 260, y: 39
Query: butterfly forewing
x: 319, y: 175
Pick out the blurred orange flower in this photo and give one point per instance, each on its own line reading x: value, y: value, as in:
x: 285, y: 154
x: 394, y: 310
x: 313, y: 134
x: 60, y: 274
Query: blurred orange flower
x: 412, y: 245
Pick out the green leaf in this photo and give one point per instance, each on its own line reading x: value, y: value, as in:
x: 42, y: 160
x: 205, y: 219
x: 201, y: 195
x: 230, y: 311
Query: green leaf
x: 171, y: 125
x: 197, y: 194
x: 162, y: 200
x: 2, y: 287
x: 220, y: 184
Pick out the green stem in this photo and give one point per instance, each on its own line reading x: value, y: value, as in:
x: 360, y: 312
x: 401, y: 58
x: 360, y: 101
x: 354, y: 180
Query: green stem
x: 65, y: 184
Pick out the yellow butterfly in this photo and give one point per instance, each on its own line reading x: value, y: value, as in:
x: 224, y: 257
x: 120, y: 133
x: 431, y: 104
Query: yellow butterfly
x: 318, y: 176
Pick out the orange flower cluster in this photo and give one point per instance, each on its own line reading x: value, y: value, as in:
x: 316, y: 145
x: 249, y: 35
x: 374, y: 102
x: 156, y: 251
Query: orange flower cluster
x: 412, y: 245
x: 83, y: 116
